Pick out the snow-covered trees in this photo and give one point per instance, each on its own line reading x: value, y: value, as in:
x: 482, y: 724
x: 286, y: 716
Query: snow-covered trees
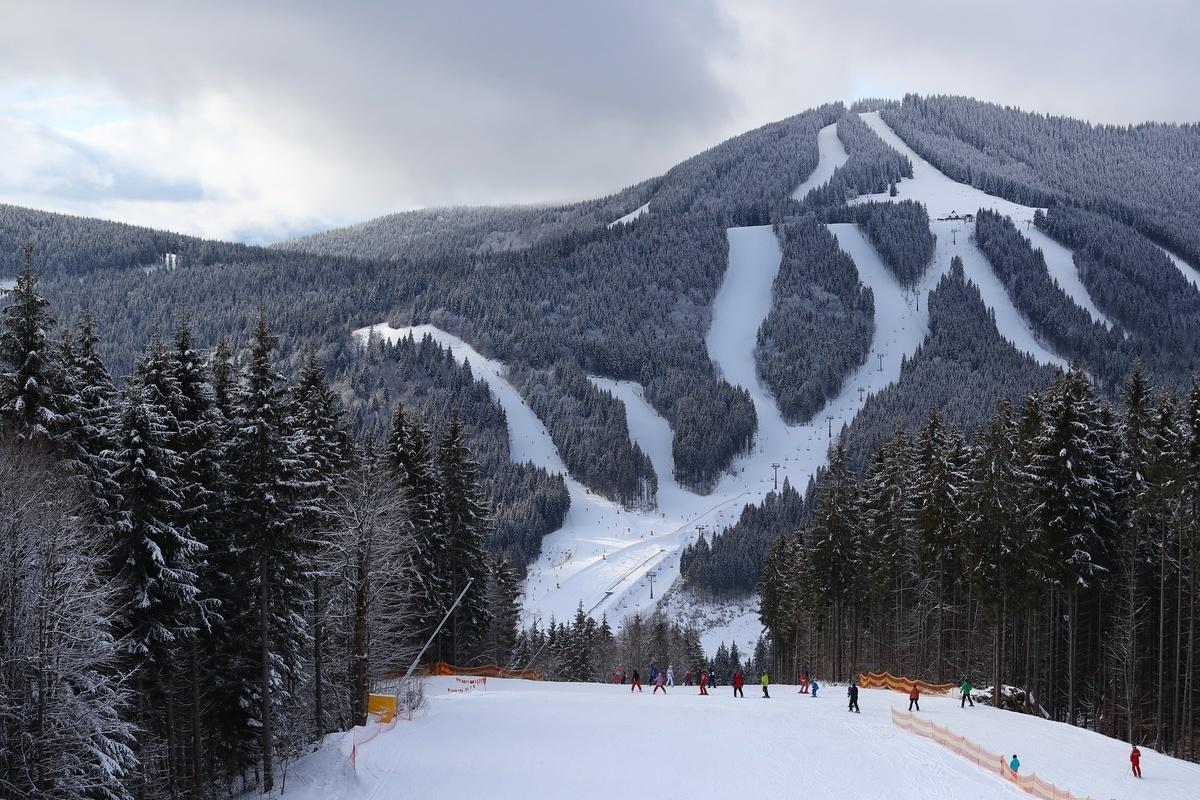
x: 1055, y: 550
x: 65, y: 726
x: 821, y: 321
x: 32, y: 382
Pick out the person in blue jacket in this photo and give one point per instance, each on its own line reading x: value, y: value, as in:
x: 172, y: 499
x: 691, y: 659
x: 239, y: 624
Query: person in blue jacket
x: 1015, y: 764
x: 653, y: 673
x: 813, y: 687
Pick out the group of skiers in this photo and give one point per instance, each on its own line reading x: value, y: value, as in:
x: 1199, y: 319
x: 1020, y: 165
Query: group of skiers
x: 661, y: 680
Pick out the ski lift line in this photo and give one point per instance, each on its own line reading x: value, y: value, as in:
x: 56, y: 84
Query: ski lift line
x: 610, y: 590
x: 689, y: 524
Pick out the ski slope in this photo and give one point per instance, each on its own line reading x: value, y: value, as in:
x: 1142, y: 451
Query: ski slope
x: 631, y: 216
x: 831, y: 156
x: 943, y: 197
x: 524, y: 739
x: 1190, y: 273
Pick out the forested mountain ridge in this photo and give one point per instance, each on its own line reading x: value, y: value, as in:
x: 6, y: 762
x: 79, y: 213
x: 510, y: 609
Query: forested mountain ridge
x: 559, y: 291
x: 916, y: 386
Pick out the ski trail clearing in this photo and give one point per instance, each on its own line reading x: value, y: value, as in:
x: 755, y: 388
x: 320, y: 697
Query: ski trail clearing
x: 943, y: 197
x: 831, y: 156
x: 631, y: 216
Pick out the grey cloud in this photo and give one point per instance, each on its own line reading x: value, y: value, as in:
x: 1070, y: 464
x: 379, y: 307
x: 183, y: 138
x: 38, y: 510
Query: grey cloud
x: 418, y: 103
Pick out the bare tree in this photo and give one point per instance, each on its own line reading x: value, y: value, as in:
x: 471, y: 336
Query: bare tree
x: 61, y: 730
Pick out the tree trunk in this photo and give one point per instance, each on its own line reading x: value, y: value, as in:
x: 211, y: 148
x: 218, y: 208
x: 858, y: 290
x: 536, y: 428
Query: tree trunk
x: 318, y: 656
x: 267, y: 733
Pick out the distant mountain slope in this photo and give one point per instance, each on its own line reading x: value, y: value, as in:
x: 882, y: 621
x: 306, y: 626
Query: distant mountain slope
x: 66, y: 244
x: 1145, y: 175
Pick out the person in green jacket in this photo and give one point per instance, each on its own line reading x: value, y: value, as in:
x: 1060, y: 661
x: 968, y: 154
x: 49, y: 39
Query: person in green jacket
x: 765, y: 682
x: 965, y: 688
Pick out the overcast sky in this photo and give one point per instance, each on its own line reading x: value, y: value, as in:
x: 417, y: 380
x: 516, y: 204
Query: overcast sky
x: 253, y: 121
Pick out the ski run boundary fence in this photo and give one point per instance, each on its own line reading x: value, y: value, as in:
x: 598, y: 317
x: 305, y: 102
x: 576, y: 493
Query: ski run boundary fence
x: 485, y: 671
x: 985, y: 759
x: 886, y: 680
x: 467, y: 685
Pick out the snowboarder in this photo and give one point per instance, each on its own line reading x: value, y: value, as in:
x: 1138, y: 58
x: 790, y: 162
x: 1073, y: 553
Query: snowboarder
x: 1135, y: 761
x: 738, y: 683
x: 1015, y: 764
x: 965, y: 688
x: 804, y: 683
x: 914, y: 695
x: 670, y: 676
x: 852, y: 693
x: 812, y: 687
x: 636, y: 683
x: 764, y: 681
x: 659, y: 683
x: 703, y: 683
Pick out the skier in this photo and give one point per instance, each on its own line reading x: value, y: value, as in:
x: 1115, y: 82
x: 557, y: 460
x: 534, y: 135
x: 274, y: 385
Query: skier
x: 670, y: 676
x: 703, y: 683
x: 764, y: 681
x: 1135, y: 761
x: 965, y: 688
x: 738, y: 683
x: 636, y: 683
x: 914, y: 695
x: 618, y: 676
x: 804, y: 683
x: 653, y: 673
x: 813, y: 686
x: 852, y: 693
x: 659, y: 681
x: 1015, y: 764
x: 687, y: 678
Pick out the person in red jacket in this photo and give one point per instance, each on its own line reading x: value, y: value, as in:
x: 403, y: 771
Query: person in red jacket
x: 1135, y: 761
x: 703, y: 683
x: 738, y: 683
x: 913, y: 696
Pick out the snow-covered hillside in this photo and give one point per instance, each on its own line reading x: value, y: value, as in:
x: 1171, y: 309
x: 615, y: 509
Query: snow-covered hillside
x: 520, y: 739
x: 944, y: 197
x: 832, y: 156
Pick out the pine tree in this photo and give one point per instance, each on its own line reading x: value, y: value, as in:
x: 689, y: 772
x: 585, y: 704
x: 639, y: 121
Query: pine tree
x: 31, y: 375
x: 504, y: 602
x: 409, y: 454
x: 834, y: 545
x: 465, y: 522
x: 274, y: 550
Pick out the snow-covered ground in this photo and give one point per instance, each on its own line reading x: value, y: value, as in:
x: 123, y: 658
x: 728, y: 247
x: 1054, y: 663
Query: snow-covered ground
x: 631, y: 216
x: 523, y: 739
x: 603, y: 555
x: 832, y: 156
x: 722, y: 621
x: 943, y: 197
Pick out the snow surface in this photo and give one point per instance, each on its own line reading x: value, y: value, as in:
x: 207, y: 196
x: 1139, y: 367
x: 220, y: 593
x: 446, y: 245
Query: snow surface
x: 631, y: 216
x: 602, y: 555
x: 524, y: 739
x: 943, y: 197
x: 832, y: 156
x: 7, y: 284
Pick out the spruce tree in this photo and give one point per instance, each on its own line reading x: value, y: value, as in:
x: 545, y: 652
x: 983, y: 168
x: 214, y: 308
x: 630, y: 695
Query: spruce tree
x: 465, y: 522
x: 411, y: 460
x: 31, y: 374
x: 274, y: 550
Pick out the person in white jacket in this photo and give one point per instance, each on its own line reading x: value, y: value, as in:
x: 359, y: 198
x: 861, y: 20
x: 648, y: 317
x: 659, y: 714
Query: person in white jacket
x: 670, y: 675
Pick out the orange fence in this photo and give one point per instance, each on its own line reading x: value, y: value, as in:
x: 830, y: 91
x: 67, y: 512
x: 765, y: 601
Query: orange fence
x: 362, y: 734
x: 886, y: 680
x: 485, y: 671
x: 992, y: 762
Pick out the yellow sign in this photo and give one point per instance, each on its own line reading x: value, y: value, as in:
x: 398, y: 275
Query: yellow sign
x: 382, y: 705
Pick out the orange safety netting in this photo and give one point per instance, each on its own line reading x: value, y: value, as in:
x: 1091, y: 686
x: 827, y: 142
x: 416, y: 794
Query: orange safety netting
x: 886, y: 680
x: 992, y: 762
x: 485, y: 671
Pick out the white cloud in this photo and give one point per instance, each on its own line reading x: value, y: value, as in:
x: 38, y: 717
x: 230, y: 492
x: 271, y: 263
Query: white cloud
x: 232, y: 119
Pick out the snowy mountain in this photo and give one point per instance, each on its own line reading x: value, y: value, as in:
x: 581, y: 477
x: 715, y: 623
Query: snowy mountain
x: 675, y: 349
